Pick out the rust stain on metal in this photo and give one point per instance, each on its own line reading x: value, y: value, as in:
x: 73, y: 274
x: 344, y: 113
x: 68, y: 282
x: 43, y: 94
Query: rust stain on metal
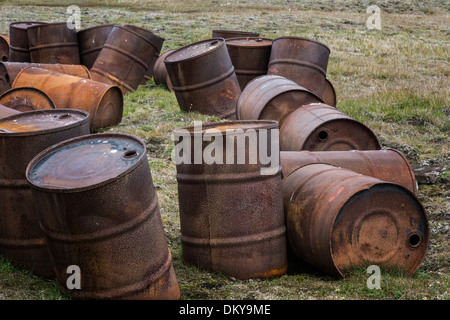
x: 95, y: 196
x: 4, y: 79
x: 18, y: 40
x: 329, y: 94
x: 91, y: 41
x: 160, y: 72
x: 4, y: 48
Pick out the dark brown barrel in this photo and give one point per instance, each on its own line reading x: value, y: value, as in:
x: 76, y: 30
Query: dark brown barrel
x: 124, y: 59
x: 5, y: 83
x: 4, y: 48
x: 337, y: 219
x: 160, y: 72
x: 22, y: 137
x: 6, y: 112
x: 302, y: 60
x: 231, y: 214
x: 250, y: 57
x: 26, y: 99
x: 226, y: 34
x: 99, y: 211
x: 53, y: 43
x: 387, y: 165
x: 272, y: 97
x: 77, y: 70
x: 203, y: 78
x: 104, y: 102
x: 91, y: 41
x: 329, y: 94
x: 18, y: 41
x: 320, y: 127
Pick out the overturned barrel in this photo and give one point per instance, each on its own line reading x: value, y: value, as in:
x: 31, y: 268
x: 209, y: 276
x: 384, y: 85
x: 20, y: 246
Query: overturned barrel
x: 250, y: 57
x: 329, y: 94
x: 320, y: 127
x: 22, y: 137
x: 160, y: 72
x: 230, y: 202
x: 91, y: 41
x: 272, y: 97
x: 98, y: 210
x: 4, y: 48
x: 337, y: 219
x: 104, y: 102
x: 387, y: 165
x: 19, y: 50
x: 53, y: 43
x: 302, y: 60
x: 203, y: 78
x: 26, y: 99
x: 226, y: 34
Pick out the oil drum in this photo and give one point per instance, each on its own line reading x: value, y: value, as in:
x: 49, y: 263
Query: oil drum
x: 19, y: 50
x: 91, y: 41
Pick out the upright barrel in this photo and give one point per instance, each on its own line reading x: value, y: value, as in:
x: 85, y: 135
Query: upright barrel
x: 271, y: 97
x: 203, y: 78
x: 302, y: 60
x: 53, y: 43
x: 250, y: 57
x: 4, y: 48
x: 19, y: 50
x: 98, y: 210
x: 104, y: 102
x: 91, y: 41
x: 231, y: 209
x: 320, y: 127
x: 338, y: 219
x: 226, y: 34
x: 160, y: 74
x: 22, y: 137
x: 26, y: 99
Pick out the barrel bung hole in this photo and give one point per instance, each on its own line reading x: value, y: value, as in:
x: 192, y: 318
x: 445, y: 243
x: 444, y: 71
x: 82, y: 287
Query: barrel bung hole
x: 323, y: 135
x: 130, y: 154
x: 414, y: 240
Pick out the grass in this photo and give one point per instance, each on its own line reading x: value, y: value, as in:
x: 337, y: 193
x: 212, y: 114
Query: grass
x: 395, y: 80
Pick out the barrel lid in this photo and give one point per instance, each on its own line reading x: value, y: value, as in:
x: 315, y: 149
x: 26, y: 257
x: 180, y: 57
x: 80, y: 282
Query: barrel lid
x: 295, y: 38
x: 25, y: 24
x: 249, y: 42
x: 41, y: 121
x: 195, y: 49
x: 86, y: 161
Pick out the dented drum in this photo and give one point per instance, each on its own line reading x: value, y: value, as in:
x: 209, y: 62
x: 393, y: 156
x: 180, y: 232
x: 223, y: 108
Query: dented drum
x: 91, y: 41
x: 98, y: 210
x: 22, y: 137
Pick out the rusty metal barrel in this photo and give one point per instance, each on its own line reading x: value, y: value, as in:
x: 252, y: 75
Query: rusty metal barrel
x: 6, y: 112
x: 4, y: 48
x: 272, y: 97
x: 337, y: 219
x: 53, y: 43
x: 22, y: 137
x: 26, y: 99
x: 160, y: 74
x: 91, y: 41
x: 98, y: 210
x: 231, y: 210
x: 19, y: 50
x: 320, y: 127
x: 302, y: 60
x: 387, y: 165
x: 124, y: 59
x: 203, y: 78
x: 250, y: 57
x: 5, y: 83
x: 329, y: 94
x: 226, y: 34
x: 104, y: 102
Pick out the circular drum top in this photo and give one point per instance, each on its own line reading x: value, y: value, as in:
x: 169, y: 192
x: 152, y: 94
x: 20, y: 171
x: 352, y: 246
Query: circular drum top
x: 85, y: 161
x: 249, y: 42
x: 226, y: 126
x: 195, y: 49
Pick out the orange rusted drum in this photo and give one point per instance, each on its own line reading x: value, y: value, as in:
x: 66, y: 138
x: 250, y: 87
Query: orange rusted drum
x: 231, y: 210
x: 250, y: 57
x: 4, y: 48
x: 98, y: 210
x: 338, y: 219
x: 53, y: 43
x: 160, y: 72
x: 272, y: 97
x: 18, y: 40
x: 320, y: 127
x: 6, y: 112
x: 203, y: 78
x: 26, y: 99
x: 91, y: 41
x: 124, y: 59
x: 387, y: 165
x: 302, y: 60
x: 226, y: 34
x: 329, y: 94
x: 104, y: 102
x: 23, y: 136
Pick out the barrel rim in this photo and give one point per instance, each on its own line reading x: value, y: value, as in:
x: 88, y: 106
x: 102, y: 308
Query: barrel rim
x: 118, y: 26
x: 48, y: 24
x: 173, y: 62
x: 228, y: 40
x: 157, y: 37
x: 303, y: 38
x: 97, y: 27
x: 13, y: 24
x: 236, y: 31
x: 94, y: 136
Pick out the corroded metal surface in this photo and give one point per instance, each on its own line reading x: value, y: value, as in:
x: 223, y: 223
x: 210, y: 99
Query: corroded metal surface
x: 250, y: 57
x: 91, y: 41
x: 329, y: 94
x: 26, y: 99
x: 203, y: 78
x: 53, y: 43
x: 4, y: 48
x: 18, y: 40
x: 320, y: 127
x: 124, y: 59
x: 337, y: 219
x: 104, y: 102
x: 160, y: 74
x: 231, y: 215
x: 272, y: 97
x: 226, y: 34
x: 22, y: 137
x: 387, y: 165
x: 98, y: 210
x: 6, y: 112
x: 302, y: 60
x: 5, y: 83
